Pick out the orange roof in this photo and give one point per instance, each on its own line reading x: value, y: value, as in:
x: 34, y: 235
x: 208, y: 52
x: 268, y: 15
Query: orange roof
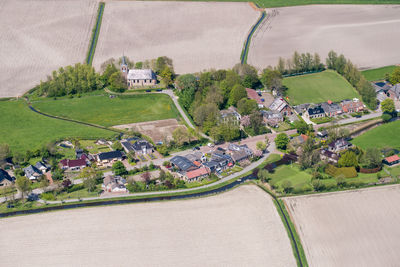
x: 198, y: 164
x: 252, y: 94
x: 329, y: 102
x: 196, y: 173
x: 392, y: 158
x: 49, y: 177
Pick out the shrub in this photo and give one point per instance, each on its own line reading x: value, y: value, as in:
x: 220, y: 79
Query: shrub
x: 48, y: 196
x: 75, y: 187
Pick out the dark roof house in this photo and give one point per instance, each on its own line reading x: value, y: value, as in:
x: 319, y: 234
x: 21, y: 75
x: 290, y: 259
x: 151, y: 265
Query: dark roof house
x: 5, y: 178
x: 142, y: 146
x: 110, y: 155
x: 183, y: 163
x: 316, y: 112
x: 339, y: 145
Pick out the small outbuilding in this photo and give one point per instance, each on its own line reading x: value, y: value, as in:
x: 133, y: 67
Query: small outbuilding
x: 392, y: 160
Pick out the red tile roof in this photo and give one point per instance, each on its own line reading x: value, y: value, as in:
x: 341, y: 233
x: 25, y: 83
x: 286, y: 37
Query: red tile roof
x: 392, y: 158
x: 252, y: 94
x: 70, y: 163
x: 196, y: 173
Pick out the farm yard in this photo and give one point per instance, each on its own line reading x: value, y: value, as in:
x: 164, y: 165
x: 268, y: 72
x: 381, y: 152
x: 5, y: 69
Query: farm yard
x: 33, y: 44
x: 195, y: 35
x: 216, y: 225
x: 353, y: 228
x: 106, y: 111
x: 318, y: 87
x: 386, y: 135
x: 367, y: 35
x: 25, y: 130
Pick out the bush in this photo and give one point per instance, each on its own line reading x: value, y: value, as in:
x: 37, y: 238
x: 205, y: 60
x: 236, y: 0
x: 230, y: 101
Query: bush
x: 48, y: 196
x: 75, y: 187
x: 302, y: 189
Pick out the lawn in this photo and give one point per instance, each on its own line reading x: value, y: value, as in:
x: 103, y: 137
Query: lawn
x: 105, y: 111
x: 377, y: 74
x: 318, y: 88
x: 386, y: 135
x: 297, y: 177
x: 22, y: 129
x: 92, y: 147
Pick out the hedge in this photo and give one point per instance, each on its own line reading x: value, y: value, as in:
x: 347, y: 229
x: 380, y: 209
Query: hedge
x: 346, y: 172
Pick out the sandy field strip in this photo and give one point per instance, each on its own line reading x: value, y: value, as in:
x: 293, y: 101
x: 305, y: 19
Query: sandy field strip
x: 196, y: 35
x: 237, y: 228
x: 40, y: 36
x: 354, y: 228
x: 366, y: 34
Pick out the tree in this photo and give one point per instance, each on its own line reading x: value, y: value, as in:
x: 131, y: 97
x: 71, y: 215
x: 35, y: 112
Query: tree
x: 238, y: 92
x: 395, y: 76
x: 118, y: 168
x: 245, y: 121
x: 256, y: 123
x: 229, y: 131
x: 146, y: 176
x: 348, y: 159
x: 180, y: 135
x: 66, y: 183
x: 246, y: 106
x: 263, y: 175
x: 281, y: 141
x: 5, y: 151
x: 387, y: 106
x: 302, y: 127
x: 280, y: 67
x: 110, y: 69
x: 331, y: 60
x: 287, y: 186
x: 261, y: 145
x: 167, y: 76
x: 89, y: 176
x: 23, y: 184
x: 272, y: 79
x: 372, y: 158
x: 386, y: 117
x: 117, y: 82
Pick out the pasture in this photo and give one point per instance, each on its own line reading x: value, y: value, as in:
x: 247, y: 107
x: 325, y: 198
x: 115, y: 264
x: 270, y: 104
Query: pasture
x: 38, y: 37
x: 386, y: 135
x: 105, y: 111
x: 365, y: 34
x: 353, y: 228
x: 174, y: 233
x: 377, y: 74
x: 195, y: 35
x: 22, y: 129
x: 318, y: 87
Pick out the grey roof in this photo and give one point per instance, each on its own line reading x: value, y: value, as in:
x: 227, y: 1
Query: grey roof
x: 110, y: 155
x: 301, y: 108
x: 31, y: 170
x: 39, y: 165
x: 182, y: 163
x: 220, y: 157
x: 212, y: 165
x: 127, y: 146
x: 239, y: 155
x: 194, y: 156
x: 145, y: 74
x: 340, y: 143
x: 230, y: 112
x: 269, y: 114
x: 123, y: 60
x: 278, y: 104
x: 384, y: 86
x: 315, y: 110
x: 331, y: 108
x: 396, y: 89
x: 141, y: 144
x: 5, y: 176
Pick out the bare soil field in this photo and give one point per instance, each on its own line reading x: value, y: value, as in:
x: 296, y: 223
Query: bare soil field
x: 366, y: 34
x: 38, y: 37
x: 237, y: 228
x: 354, y: 228
x: 196, y: 35
x: 157, y: 130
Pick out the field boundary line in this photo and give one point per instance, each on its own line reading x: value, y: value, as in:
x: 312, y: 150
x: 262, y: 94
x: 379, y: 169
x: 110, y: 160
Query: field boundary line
x: 95, y: 34
x: 245, y: 50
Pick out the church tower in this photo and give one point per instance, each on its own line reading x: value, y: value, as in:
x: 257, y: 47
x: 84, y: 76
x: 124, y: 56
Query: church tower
x: 124, y: 67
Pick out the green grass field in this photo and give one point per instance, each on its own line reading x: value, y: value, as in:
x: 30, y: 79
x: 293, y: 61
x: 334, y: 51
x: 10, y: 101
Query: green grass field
x: 377, y: 74
x: 292, y: 173
x: 318, y: 88
x: 386, y: 135
x: 22, y: 129
x: 105, y: 111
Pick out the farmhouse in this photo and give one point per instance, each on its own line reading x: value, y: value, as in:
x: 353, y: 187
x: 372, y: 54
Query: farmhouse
x: 300, y: 109
x: 281, y: 106
x: 108, y: 157
x: 383, y: 87
x: 73, y: 164
x: 32, y: 172
x: 339, y: 145
x: 5, y: 178
x: 196, y: 175
x: 114, y: 184
x: 272, y: 118
x: 183, y: 164
x: 252, y: 94
x: 315, y: 112
x: 230, y: 115
x: 392, y: 160
x: 350, y: 106
x: 331, y: 109
x: 142, y: 147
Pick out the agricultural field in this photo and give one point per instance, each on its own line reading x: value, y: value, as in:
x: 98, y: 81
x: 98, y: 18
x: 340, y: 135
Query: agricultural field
x: 318, y: 87
x: 353, y: 228
x: 377, y: 74
x: 22, y: 129
x: 386, y: 135
x: 38, y: 37
x: 243, y: 220
x: 366, y: 34
x: 195, y: 35
x: 105, y: 111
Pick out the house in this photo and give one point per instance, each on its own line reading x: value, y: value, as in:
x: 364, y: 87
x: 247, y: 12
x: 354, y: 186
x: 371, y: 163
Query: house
x: 331, y: 109
x: 79, y: 153
x: 245, y: 148
x: 32, y: 172
x: 315, y: 112
x: 281, y: 106
x: 381, y: 96
x: 351, y: 106
x: 383, y: 87
x: 339, y: 145
x: 239, y: 156
x: 127, y: 146
x: 299, y: 140
x: 223, y: 160
x: 394, y: 92
x: 73, y: 164
x: 183, y: 164
x: 322, y: 134
x: 302, y: 108
x: 211, y: 165
x: 5, y: 178
x: 329, y: 156
x: 392, y: 160
x: 108, y: 157
x: 142, y: 147
x: 113, y: 184
x: 196, y: 175
x: 272, y: 118
x: 196, y: 156
x: 41, y: 166
x: 230, y: 115
x: 252, y: 94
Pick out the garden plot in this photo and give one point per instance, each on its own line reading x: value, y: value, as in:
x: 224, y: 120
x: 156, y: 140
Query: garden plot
x: 38, y: 37
x: 237, y: 228
x: 354, y: 228
x: 195, y: 35
x: 366, y: 34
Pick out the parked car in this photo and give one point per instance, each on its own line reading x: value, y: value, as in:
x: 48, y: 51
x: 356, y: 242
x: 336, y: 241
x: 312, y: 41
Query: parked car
x: 159, y: 90
x: 148, y: 91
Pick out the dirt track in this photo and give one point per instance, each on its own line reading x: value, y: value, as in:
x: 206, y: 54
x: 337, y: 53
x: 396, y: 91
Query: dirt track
x: 355, y: 228
x: 196, y: 35
x: 237, y: 228
x: 366, y: 34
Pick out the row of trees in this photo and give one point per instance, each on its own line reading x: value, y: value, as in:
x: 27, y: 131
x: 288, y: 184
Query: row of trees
x: 300, y: 63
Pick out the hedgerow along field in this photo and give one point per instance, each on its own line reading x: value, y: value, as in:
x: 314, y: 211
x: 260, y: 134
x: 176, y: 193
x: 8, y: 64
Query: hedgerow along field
x: 106, y: 111
x: 318, y: 87
x: 377, y: 74
x: 386, y: 135
x: 23, y: 129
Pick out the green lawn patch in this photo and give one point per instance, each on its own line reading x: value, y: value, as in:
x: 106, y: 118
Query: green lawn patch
x: 386, y: 135
x: 105, y: 111
x: 92, y: 147
x: 23, y: 129
x: 292, y: 173
x: 377, y: 74
x: 318, y: 87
